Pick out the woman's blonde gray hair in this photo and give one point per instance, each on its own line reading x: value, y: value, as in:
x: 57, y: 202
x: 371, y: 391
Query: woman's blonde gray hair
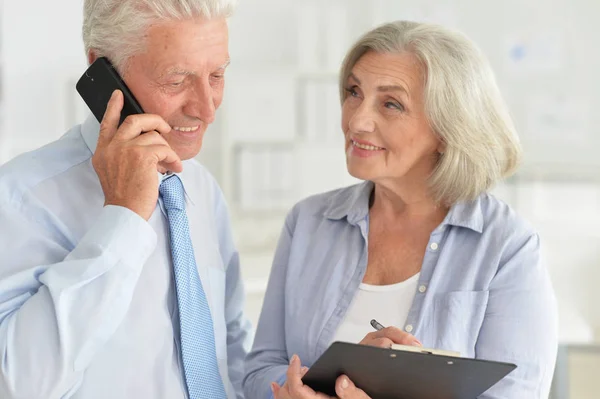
x: 116, y: 28
x: 462, y: 103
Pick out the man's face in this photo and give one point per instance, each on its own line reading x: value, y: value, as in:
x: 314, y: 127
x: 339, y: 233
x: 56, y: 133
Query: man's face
x: 180, y: 76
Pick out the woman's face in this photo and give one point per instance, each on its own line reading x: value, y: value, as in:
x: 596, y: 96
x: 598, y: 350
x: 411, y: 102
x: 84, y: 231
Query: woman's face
x: 388, y: 137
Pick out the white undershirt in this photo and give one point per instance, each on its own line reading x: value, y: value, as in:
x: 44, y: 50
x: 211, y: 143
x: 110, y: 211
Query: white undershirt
x: 388, y: 304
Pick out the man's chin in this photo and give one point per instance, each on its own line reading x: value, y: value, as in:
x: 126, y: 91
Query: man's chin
x: 185, y: 146
x: 187, y: 152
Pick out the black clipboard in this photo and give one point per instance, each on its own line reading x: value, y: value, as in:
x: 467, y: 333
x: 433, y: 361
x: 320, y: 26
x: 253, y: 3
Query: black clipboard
x: 390, y: 373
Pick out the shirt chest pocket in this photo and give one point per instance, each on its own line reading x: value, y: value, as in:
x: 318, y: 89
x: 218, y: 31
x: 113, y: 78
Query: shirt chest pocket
x: 458, y: 317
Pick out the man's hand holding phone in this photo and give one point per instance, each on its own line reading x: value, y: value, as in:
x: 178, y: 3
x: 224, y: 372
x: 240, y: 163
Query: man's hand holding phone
x: 127, y: 161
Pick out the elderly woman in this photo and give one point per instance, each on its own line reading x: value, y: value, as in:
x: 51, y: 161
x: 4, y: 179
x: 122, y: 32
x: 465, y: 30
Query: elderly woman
x: 421, y: 245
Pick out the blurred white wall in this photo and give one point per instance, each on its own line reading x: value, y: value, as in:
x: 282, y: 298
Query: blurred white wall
x: 41, y: 50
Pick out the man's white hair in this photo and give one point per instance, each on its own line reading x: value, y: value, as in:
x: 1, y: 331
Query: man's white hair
x: 462, y: 103
x: 116, y: 28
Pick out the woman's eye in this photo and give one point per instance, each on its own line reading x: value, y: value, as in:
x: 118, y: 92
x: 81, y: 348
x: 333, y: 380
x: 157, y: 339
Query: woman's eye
x: 394, y: 105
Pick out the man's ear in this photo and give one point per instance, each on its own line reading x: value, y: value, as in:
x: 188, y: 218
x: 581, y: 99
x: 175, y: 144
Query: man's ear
x: 92, y: 56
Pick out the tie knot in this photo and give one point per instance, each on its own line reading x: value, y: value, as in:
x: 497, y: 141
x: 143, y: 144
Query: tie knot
x: 171, y: 190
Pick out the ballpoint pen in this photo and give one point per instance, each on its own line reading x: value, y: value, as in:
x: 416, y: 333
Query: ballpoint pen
x: 376, y: 325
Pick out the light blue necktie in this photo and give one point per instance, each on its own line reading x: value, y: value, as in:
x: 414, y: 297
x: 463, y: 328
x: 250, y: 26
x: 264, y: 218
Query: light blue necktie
x: 197, y: 335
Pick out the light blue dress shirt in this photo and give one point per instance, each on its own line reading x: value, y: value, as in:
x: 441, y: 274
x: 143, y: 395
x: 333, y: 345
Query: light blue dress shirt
x: 483, y: 291
x: 87, y: 299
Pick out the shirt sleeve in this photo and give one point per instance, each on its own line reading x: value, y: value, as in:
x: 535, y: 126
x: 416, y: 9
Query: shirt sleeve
x: 520, y: 324
x: 268, y: 360
x: 59, y: 306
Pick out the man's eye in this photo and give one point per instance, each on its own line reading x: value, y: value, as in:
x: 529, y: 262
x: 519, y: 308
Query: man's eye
x: 352, y: 91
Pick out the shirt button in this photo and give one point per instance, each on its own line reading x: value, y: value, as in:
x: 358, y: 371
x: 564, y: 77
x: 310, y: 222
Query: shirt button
x: 408, y: 328
x: 422, y: 289
x: 434, y: 246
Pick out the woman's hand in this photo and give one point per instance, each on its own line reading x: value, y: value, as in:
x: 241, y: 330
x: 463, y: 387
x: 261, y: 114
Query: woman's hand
x: 385, y: 337
x: 295, y: 389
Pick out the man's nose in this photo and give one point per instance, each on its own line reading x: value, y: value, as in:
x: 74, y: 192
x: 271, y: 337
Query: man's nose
x: 201, y: 102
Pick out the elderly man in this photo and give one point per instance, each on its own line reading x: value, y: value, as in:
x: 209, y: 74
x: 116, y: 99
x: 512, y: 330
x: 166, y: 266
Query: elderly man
x: 118, y: 275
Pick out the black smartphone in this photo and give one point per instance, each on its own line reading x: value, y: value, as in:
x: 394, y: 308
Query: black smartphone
x: 98, y: 83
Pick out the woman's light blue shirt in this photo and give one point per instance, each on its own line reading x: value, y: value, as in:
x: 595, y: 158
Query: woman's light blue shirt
x: 483, y: 290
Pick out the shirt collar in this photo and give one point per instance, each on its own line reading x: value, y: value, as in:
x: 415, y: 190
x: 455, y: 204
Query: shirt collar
x: 353, y: 203
x: 467, y: 214
x: 90, y: 131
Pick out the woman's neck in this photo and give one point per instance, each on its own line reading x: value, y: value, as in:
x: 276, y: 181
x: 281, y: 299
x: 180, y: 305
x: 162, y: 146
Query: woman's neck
x: 413, y: 204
